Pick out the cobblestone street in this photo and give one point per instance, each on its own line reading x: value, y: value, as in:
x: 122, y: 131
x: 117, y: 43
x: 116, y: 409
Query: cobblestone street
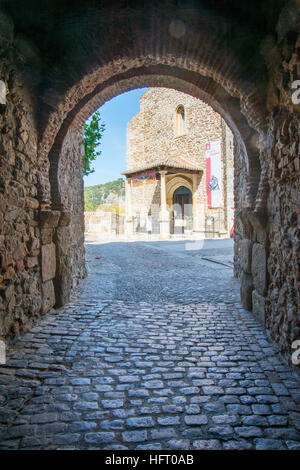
x: 153, y: 352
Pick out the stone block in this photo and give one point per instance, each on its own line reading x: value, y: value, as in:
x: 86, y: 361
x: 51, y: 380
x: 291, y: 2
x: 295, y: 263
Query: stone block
x: 245, y: 253
x: 48, y: 262
x: 49, y: 219
x: 63, y: 282
x: 48, y: 296
x: 46, y: 235
x: 34, y: 246
x: 5, y: 260
x: 63, y: 240
x: 9, y: 291
x: 258, y: 222
x: 246, y: 290
x: 31, y: 261
x: 65, y: 219
x: 9, y: 273
x: 258, y: 306
x: 20, y: 253
x: 2, y: 92
x: 259, y: 268
x: 31, y: 203
x: 11, y: 304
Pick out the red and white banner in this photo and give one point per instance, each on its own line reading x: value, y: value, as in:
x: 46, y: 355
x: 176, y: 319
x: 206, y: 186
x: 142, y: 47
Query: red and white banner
x: 214, y: 174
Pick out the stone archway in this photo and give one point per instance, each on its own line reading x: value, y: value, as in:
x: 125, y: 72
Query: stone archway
x: 246, y: 137
x: 63, y: 63
x: 175, y: 183
x: 69, y: 137
x: 183, y: 180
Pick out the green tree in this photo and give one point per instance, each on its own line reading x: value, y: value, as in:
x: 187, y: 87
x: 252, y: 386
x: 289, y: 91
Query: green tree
x: 87, y: 205
x: 93, y: 131
x: 95, y: 196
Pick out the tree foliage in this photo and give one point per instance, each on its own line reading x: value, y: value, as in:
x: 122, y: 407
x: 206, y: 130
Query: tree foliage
x: 104, y: 194
x: 93, y: 131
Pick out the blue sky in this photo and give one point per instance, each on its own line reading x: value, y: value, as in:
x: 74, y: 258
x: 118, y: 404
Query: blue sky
x: 116, y: 114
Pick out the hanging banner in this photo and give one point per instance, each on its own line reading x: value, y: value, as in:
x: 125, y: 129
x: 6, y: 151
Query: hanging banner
x: 214, y: 174
x: 145, y: 177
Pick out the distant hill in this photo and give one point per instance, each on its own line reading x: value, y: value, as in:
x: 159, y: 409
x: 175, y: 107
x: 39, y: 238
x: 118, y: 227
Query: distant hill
x: 107, y: 193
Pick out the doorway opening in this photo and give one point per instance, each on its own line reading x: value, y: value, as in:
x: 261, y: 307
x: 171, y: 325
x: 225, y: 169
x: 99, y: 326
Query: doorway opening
x: 182, y: 213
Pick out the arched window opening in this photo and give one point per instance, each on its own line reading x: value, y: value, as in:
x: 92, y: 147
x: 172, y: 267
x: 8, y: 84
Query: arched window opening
x: 180, y: 121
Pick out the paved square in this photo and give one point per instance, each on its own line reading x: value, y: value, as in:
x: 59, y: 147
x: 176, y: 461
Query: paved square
x: 128, y: 373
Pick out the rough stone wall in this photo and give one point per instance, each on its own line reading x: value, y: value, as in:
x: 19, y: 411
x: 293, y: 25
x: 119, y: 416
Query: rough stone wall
x: 106, y: 223
x: 144, y: 196
x: 282, y: 307
x: 151, y: 135
x: 268, y: 239
x: 70, y: 239
x: 20, y: 274
x: 283, y: 292
x: 145, y: 199
x: 41, y: 250
x: 242, y: 228
x: 228, y: 182
x: 152, y: 131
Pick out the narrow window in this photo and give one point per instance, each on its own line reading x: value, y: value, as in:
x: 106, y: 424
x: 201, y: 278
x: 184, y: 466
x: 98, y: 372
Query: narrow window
x: 180, y: 120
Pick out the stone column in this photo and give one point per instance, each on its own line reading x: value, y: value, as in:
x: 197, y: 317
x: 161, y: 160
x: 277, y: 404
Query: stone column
x: 128, y: 199
x: 164, y: 215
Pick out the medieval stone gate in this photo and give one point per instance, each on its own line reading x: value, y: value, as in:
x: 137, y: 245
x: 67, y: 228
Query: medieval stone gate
x: 60, y: 63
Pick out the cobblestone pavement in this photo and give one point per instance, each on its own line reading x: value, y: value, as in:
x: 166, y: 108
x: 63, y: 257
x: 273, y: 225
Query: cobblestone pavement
x: 142, y: 362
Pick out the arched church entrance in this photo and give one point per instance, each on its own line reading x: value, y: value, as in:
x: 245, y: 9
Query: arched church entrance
x: 182, y: 211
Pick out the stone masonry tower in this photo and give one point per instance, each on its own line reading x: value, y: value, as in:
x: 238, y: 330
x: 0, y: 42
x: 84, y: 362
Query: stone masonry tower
x: 179, y: 167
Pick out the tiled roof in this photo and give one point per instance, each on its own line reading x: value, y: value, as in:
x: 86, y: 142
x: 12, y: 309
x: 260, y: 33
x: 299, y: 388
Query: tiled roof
x: 177, y: 162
